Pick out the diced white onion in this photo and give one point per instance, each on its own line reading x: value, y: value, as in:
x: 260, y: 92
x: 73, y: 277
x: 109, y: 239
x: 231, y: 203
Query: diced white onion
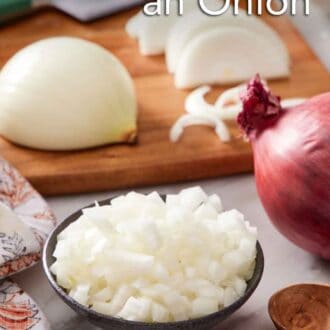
x: 144, y: 259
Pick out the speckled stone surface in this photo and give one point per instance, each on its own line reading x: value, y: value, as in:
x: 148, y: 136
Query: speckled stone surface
x: 284, y: 263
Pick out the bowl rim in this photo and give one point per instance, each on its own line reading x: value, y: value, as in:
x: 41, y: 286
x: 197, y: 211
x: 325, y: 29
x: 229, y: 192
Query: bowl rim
x: 252, y: 283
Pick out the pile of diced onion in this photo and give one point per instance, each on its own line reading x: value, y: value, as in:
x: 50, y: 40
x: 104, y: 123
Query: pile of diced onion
x: 143, y: 259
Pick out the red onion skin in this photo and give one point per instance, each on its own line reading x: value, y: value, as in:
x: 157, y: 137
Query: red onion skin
x: 292, y: 170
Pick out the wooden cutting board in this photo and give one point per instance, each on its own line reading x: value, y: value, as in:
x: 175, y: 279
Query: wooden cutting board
x: 154, y: 159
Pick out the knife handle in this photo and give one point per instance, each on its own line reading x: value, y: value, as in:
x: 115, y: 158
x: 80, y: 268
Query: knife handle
x: 14, y: 8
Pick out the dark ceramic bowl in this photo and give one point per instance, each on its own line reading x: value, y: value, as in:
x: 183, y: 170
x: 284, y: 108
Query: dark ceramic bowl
x: 113, y: 323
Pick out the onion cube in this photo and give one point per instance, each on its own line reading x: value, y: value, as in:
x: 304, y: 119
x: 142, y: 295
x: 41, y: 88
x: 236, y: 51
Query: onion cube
x: 203, y: 306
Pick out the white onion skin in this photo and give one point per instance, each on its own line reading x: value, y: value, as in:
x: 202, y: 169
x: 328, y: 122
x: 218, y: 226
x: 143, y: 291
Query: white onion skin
x: 66, y: 93
x: 292, y: 170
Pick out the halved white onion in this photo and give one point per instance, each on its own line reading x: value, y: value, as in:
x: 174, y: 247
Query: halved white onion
x: 66, y: 93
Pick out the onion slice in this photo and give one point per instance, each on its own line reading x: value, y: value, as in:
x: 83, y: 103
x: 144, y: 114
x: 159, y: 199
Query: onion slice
x: 190, y: 120
x: 195, y: 102
x: 288, y: 103
x: 227, y: 107
x: 199, y: 112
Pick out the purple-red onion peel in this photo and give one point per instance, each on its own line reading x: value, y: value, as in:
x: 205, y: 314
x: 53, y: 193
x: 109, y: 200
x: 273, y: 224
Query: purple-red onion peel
x: 292, y: 163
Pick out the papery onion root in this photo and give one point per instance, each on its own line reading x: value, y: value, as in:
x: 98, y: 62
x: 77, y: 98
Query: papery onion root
x: 260, y: 106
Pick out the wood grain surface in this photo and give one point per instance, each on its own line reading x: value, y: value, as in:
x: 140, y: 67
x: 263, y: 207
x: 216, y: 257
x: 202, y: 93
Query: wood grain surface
x: 154, y: 159
x: 301, y: 307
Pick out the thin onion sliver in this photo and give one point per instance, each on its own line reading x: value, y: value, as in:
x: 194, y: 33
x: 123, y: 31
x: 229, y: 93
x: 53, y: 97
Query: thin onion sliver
x: 227, y: 107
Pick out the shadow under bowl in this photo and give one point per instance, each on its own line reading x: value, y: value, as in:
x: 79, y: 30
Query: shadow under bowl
x: 114, y: 323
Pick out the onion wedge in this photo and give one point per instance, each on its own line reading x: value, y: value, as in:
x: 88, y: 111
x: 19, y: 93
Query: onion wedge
x: 199, y: 112
x: 152, y: 31
x: 229, y: 55
x: 196, y: 23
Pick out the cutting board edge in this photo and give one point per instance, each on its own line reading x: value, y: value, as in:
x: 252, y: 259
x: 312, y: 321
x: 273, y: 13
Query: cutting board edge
x: 157, y: 175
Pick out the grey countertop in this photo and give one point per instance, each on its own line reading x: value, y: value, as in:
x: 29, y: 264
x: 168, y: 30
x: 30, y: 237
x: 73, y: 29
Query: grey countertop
x: 284, y: 263
x: 316, y: 28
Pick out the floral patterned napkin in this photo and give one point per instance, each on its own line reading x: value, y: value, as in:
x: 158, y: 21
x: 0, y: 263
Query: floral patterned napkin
x: 18, y: 311
x: 25, y: 222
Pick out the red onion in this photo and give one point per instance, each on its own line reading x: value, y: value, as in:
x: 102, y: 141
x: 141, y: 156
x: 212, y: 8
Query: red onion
x: 291, y: 150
